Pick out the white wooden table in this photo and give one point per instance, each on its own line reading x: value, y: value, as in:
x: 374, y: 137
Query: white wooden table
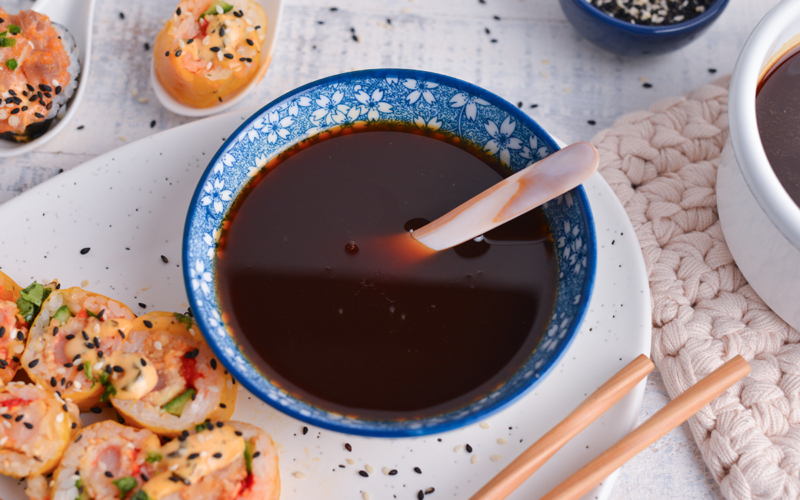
x: 537, y: 58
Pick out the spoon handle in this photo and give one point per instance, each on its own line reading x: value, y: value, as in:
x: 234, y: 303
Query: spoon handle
x: 587, y: 412
x: 512, y: 197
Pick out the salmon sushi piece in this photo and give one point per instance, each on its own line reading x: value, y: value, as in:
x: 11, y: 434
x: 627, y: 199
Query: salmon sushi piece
x: 210, y: 49
x: 36, y: 428
x: 230, y: 461
x: 70, y: 341
x: 105, y: 461
x: 39, y: 68
x: 165, y: 377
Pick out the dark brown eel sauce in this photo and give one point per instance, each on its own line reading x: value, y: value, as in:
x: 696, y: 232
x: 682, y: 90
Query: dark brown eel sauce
x: 326, y: 313
x: 778, y: 117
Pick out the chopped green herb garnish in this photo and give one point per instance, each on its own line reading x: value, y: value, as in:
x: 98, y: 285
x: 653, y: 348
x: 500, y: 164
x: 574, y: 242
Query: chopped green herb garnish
x: 140, y: 495
x: 226, y: 7
x: 153, y: 457
x: 200, y: 427
x: 104, y: 379
x: 248, y: 455
x: 186, y: 320
x: 125, y: 484
x: 31, y: 298
x: 82, y: 493
x: 9, y: 42
x: 90, y: 313
x: 87, y: 369
x: 109, y: 391
x: 175, y: 407
x: 14, y: 29
x: 62, y: 315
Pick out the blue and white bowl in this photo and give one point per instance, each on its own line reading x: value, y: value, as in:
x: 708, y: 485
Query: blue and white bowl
x: 426, y: 100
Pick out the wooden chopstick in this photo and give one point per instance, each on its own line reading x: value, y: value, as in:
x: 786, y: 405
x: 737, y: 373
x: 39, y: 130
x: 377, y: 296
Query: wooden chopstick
x: 669, y: 417
x: 587, y: 412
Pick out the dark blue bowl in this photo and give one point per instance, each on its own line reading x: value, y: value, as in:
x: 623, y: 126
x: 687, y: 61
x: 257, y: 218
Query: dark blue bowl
x: 628, y: 39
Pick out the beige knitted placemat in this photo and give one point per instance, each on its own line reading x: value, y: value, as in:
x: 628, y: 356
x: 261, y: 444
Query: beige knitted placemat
x: 662, y: 164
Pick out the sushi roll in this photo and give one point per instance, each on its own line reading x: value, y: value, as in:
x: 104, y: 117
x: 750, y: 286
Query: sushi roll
x: 210, y: 49
x: 106, y: 460
x: 13, y: 329
x: 166, y: 379
x: 69, y: 342
x: 36, y: 429
x: 232, y: 461
x: 38, y: 74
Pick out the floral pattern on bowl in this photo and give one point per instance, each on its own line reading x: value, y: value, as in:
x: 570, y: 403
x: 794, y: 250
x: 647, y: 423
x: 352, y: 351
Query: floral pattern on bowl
x: 431, y: 102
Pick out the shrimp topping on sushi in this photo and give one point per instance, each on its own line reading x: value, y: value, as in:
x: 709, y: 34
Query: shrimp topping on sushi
x: 36, y: 72
x: 232, y: 461
x: 210, y: 49
x: 165, y: 378
x: 70, y: 340
x: 35, y: 430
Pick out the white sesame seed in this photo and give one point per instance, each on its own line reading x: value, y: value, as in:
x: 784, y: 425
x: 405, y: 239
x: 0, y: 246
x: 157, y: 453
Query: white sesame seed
x: 14, y: 121
x: 219, y: 55
x: 7, y: 423
x: 220, y: 10
x: 3, y: 409
x: 96, y: 328
x: 474, y: 459
x: 31, y: 44
x: 502, y: 440
x: 385, y: 470
x: 173, y: 467
x: 248, y: 21
x: 213, y: 388
x: 3, y: 114
x: 458, y: 448
x: 157, y: 345
x: 207, y: 40
x: 182, y: 44
x: 98, y: 366
x: 369, y: 468
x: 351, y: 461
x: 123, y: 138
x: 52, y: 482
x: 495, y: 458
x: 249, y: 29
x: 226, y: 40
x: 209, y: 65
x: 135, y: 92
x: 299, y: 475
x: 78, y: 385
x: 61, y: 371
x: 366, y: 495
x: 60, y: 418
x: 484, y: 425
x: 3, y: 440
x: 75, y: 477
x: 144, y: 100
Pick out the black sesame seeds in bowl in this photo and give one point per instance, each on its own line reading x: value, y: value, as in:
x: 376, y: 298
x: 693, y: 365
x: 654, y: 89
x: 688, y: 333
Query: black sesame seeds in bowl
x: 642, y: 27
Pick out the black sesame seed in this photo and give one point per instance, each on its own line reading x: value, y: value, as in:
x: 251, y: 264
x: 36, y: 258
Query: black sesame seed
x: 469, y: 448
x: 95, y: 409
x: 388, y: 21
x: 80, y: 127
x: 238, y: 433
x: 494, y: 40
x: 190, y: 41
x: 24, y: 108
x: 85, y: 335
x: 221, y: 31
x: 228, y: 56
x: 181, y: 438
x: 96, y: 343
x: 109, y: 474
x: 178, y: 12
x: 45, y: 88
x: 63, y: 379
x: 223, y: 405
x: 108, y: 369
x: 89, y: 345
x: 78, y: 438
x: 122, y: 15
x: 8, y: 416
x: 417, y: 470
x: 209, y: 426
x: 55, y: 331
x: 21, y: 336
x: 164, y: 260
x: 249, y: 42
x: 118, y: 369
x: 28, y: 425
x: 420, y: 495
x: 217, y: 455
x: 152, y: 124
x: 15, y: 359
x: 305, y: 430
x: 147, y: 324
x: 220, y: 99
x: 242, y: 59
x: 256, y: 454
x: 348, y: 447
x: 355, y: 37
x: 647, y: 85
x: 174, y: 454
x: 30, y: 87
x: 58, y: 89
x: 393, y: 472
x: 144, y: 477
x: 174, y: 479
x: 53, y: 382
x: 33, y: 363
x: 220, y: 424
x: 178, y: 53
x: 2, y: 331
x: 19, y: 417
x: 712, y: 70
x: 185, y: 433
x: 146, y: 46
x: 193, y: 456
x: 487, y: 30
x: 166, y: 53
x: 496, y: 18
x: 519, y: 104
x: 49, y: 106
x: 192, y: 354
x: 142, y: 305
x: 143, y: 362
x: 213, y: 364
x: 363, y: 473
x: 215, y: 49
x: 74, y: 425
x: 15, y: 111
x: 84, y: 251
x: 591, y: 122
x: 334, y: 9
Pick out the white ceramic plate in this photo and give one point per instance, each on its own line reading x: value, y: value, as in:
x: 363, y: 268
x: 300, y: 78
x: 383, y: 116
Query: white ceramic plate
x: 273, y: 9
x: 128, y: 206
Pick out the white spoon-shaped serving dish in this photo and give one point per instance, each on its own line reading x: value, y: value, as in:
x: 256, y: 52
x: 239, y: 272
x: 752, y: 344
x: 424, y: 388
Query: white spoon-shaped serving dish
x: 76, y: 16
x: 273, y: 10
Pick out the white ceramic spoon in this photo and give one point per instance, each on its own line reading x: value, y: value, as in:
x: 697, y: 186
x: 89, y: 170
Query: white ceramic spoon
x: 273, y: 10
x: 513, y: 196
x: 76, y: 16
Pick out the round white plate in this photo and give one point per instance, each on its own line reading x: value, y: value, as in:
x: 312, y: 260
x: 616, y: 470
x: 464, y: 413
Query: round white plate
x: 128, y: 206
